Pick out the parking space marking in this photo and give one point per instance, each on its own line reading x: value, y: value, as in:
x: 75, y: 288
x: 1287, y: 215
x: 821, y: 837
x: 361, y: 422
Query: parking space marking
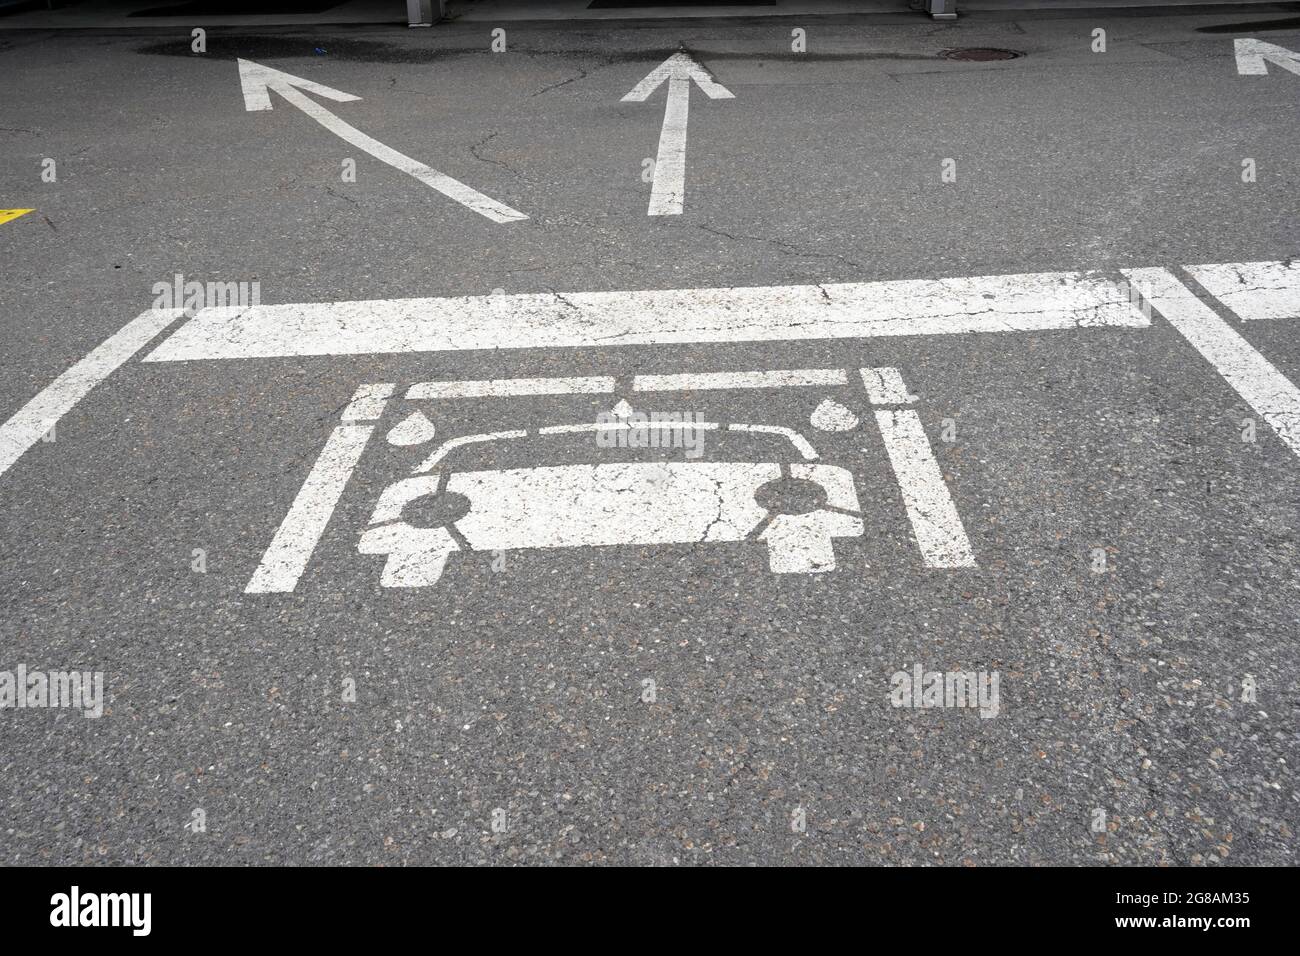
x: 706, y: 381
x: 588, y: 504
x: 1007, y: 303
x: 9, y: 214
x: 512, y: 387
x: 1253, y: 377
x: 368, y: 402
x: 935, y: 522
x: 295, y: 540
x: 885, y: 386
x: 35, y: 419
x: 1254, y: 290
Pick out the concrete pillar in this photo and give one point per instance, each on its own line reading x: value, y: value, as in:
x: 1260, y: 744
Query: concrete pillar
x: 423, y: 13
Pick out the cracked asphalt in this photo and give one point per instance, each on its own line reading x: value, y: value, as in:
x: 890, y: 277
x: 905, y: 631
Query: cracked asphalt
x: 520, y: 693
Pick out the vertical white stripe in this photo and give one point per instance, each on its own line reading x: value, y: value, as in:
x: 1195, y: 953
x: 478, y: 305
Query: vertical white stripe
x: 1263, y: 387
x: 34, y: 420
x: 287, y: 556
x: 668, y: 193
x: 368, y: 402
x: 930, y: 508
x: 885, y: 387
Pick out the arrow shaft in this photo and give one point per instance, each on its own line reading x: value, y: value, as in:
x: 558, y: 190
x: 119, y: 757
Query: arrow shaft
x: 668, y: 193
x: 451, y: 188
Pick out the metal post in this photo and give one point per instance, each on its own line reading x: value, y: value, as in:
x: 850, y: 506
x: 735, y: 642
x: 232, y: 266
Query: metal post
x: 941, y: 9
x: 419, y: 13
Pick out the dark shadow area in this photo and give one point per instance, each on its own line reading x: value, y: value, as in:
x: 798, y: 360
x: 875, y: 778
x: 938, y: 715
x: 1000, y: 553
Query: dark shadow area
x: 217, y: 8
x: 1254, y: 26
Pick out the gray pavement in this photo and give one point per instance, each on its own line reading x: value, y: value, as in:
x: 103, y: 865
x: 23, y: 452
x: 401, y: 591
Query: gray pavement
x: 680, y: 701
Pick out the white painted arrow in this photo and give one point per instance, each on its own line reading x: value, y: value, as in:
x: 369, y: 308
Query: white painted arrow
x: 1252, y: 54
x: 669, y: 189
x: 257, y: 82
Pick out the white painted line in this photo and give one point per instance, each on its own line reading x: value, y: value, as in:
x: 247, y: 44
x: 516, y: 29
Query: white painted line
x: 450, y: 445
x: 35, y: 419
x: 885, y: 387
x: 629, y: 426
x: 805, y: 447
x: 1014, y: 303
x: 510, y: 387
x: 368, y: 402
x: 704, y: 381
x: 935, y: 522
x: 668, y: 190
x: 257, y: 80
x: 1254, y: 290
x: 1252, y: 55
x: 287, y: 556
x: 1254, y: 378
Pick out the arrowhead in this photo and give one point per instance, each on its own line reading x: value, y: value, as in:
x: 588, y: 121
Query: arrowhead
x: 679, y: 66
x: 1252, y: 54
x: 258, y: 80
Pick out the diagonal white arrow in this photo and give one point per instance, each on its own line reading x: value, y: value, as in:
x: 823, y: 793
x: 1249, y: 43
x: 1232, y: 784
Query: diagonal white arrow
x: 669, y: 190
x: 1253, y: 54
x: 258, y: 81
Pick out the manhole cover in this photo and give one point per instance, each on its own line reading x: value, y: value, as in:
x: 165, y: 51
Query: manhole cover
x: 980, y: 54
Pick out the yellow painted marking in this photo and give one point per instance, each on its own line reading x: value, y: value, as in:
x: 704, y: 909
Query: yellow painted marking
x: 7, y: 214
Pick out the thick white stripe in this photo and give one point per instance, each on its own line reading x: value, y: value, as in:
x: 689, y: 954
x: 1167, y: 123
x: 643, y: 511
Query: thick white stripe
x: 505, y: 387
x: 935, y: 522
x: 1254, y: 378
x: 296, y: 539
x: 35, y: 419
x: 1015, y: 303
x: 1254, y: 290
x: 703, y: 381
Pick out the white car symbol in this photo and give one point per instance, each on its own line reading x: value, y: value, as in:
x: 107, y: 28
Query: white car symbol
x: 597, y: 505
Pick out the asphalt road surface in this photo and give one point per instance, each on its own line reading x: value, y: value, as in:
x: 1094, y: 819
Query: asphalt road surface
x: 375, y: 565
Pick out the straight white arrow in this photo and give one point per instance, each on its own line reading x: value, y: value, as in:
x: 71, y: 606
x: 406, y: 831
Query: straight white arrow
x: 257, y: 82
x: 669, y: 189
x: 1252, y: 54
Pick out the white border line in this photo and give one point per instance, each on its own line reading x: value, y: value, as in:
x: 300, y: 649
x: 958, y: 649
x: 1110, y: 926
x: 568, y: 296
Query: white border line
x: 287, y: 556
x: 1253, y: 290
x: 1007, y: 303
x: 935, y: 521
x: 512, y: 387
x: 774, y: 378
x: 1255, y: 379
x: 35, y: 419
